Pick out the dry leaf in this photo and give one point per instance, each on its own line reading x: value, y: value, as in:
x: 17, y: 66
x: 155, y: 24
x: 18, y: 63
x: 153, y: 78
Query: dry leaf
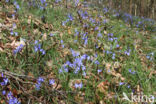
x: 61, y: 34
x: 151, y: 73
x: 66, y: 51
x: 15, y: 43
x: 49, y: 63
x: 69, y: 31
x: 44, y: 37
x: 103, y: 87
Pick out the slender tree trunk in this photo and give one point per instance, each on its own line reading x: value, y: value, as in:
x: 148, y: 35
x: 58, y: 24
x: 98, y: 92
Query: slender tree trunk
x: 130, y: 6
x: 123, y: 5
x: 110, y: 3
x: 142, y: 7
x: 151, y: 8
x: 135, y: 13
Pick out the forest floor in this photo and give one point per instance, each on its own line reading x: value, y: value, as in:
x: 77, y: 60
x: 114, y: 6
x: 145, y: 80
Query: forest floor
x: 53, y: 54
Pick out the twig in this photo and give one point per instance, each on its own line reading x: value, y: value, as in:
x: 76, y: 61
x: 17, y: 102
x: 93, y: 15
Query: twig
x: 15, y: 74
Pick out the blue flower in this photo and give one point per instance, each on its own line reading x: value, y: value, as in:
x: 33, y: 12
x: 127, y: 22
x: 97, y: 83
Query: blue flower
x: 51, y: 81
x: 132, y: 72
x: 42, y: 51
x: 37, y: 47
x: 84, y: 57
x: 12, y: 100
x: 128, y: 86
x: 121, y: 83
x: 105, y: 10
x: 96, y: 28
x: 97, y: 62
x: 75, y: 54
x: 62, y: 44
x: 86, y: 41
x: 83, y: 67
x: 68, y: 62
x: 17, y: 7
x: 70, y: 17
x: 13, y: 15
x: 78, y: 61
x: 110, y: 34
x: 108, y: 52
x: 117, y: 46
x: 78, y: 85
x: 84, y: 73
x: 37, y: 86
x: 60, y: 70
x: 88, y: 58
x: 76, y: 33
x: 99, y: 34
x: 66, y: 69
x: 128, y: 52
x: 9, y: 95
x: 51, y: 34
x: 99, y: 71
x: 3, y: 92
x: 16, y: 33
x: 76, y: 2
x: 14, y: 25
x: 40, y: 80
x: 63, y: 23
x: 5, y: 81
x: 7, y: 1
x: 43, y: 1
x: 113, y: 56
x: 18, y: 49
x: 12, y: 33
x: 110, y: 39
x: 36, y: 41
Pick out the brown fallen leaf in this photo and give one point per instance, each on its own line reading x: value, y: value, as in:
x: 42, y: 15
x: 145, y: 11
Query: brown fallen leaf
x: 44, y: 37
x: 49, y: 63
x: 152, y: 73
x: 103, y: 87
x: 14, y: 44
x: 69, y: 31
x: 66, y: 51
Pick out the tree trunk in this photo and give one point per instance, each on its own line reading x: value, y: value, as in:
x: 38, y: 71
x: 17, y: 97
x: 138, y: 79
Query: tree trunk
x: 130, y: 6
x: 151, y: 8
x: 123, y: 5
x: 135, y: 13
x: 142, y: 7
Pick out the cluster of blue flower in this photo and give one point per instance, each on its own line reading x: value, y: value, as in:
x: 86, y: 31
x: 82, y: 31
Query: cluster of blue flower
x: 150, y: 56
x: 40, y: 80
x: 70, y: 18
x: 37, y: 48
x: 135, y: 21
x: 16, y: 5
x: 18, y: 49
x: 43, y: 4
x: 77, y: 63
x: 11, y: 98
